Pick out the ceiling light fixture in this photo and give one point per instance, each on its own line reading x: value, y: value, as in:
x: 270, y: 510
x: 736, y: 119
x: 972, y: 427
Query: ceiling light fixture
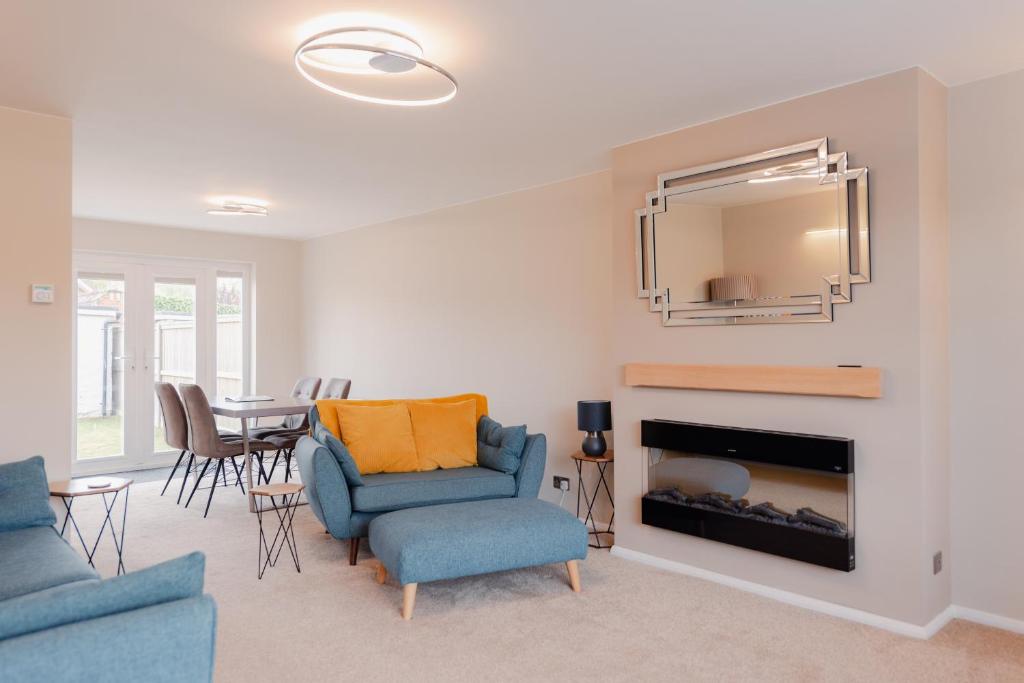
x: 368, y: 51
x: 238, y: 209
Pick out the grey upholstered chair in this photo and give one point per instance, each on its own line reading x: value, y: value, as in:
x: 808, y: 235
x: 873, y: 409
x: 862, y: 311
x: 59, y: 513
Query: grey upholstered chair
x: 305, y: 387
x: 336, y: 387
x: 206, y: 442
x: 176, y: 432
x: 175, y: 429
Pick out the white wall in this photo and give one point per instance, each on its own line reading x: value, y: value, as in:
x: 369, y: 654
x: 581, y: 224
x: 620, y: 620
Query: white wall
x: 35, y: 221
x: 276, y: 294
x: 899, y: 438
x: 987, y: 217
x: 509, y: 297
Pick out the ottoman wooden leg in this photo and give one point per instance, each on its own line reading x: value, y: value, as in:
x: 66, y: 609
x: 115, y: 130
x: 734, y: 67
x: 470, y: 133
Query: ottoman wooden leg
x: 382, y: 573
x: 408, y: 600
x: 574, y: 575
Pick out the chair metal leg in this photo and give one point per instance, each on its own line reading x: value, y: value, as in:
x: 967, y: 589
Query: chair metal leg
x: 273, y: 466
x: 262, y: 473
x: 287, y: 464
x: 198, y: 479
x: 238, y: 474
x: 218, y: 471
x: 184, y: 478
x: 173, y: 471
x: 353, y: 550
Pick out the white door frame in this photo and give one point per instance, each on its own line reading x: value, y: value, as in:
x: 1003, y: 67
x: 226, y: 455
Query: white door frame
x: 141, y: 272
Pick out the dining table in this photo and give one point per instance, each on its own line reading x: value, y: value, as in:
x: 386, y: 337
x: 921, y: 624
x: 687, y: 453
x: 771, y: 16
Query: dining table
x: 248, y: 410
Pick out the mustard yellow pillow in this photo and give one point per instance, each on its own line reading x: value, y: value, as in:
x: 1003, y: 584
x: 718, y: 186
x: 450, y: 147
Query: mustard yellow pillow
x: 378, y: 437
x: 445, y: 434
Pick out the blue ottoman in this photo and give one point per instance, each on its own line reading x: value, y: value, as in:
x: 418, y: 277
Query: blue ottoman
x: 478, y: 537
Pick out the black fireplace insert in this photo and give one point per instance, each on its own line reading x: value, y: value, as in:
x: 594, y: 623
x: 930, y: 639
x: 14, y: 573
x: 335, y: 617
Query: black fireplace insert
x: 776, y: 492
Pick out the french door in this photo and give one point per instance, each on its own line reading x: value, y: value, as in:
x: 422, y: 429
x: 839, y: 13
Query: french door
x: 139, y: 321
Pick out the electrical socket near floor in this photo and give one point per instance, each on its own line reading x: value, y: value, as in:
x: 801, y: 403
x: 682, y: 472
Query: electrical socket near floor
x: 561, y: 483
x: 937, y: 562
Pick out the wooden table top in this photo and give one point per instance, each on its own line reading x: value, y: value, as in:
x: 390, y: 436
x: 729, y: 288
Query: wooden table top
x: 71, y: 488
x: 279, y: 406
x: 609, y: 456
x: 280, y: 489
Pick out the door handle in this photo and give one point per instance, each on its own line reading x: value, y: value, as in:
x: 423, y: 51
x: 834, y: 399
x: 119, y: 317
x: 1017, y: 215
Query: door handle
x: 130, y: 359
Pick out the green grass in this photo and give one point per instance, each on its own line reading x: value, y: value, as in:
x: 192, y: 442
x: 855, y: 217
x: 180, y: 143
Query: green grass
x: 102, y: 437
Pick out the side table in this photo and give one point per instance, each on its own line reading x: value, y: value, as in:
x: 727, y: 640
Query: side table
x: 602, y: 463
x: 70, y: 489
x: 285, y: 534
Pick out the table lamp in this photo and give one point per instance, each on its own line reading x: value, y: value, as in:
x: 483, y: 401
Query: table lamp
x: 593, y: 417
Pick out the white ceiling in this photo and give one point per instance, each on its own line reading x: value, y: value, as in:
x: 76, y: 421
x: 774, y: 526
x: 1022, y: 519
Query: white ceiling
x: 174, y: 102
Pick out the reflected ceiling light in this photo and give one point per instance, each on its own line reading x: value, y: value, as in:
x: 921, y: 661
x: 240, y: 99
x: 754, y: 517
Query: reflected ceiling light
x: 367, y: 51
x: 230, y: 208
x: 823, y: 231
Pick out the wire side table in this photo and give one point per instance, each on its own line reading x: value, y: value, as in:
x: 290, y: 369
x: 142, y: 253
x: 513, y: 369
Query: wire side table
x: 285, y: 512
x: 601, y: 462
x: 70, y: 489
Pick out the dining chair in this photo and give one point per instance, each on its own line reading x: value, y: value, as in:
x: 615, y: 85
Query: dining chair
x: 336, y: 388
x: 176, y: 432
x: 205, y: 441
x: 305, y: 387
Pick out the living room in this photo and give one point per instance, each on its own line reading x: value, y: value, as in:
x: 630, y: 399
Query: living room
x: 480, y: 339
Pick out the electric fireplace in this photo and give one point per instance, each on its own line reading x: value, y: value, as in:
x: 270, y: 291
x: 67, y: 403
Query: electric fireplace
x: 776, y: 492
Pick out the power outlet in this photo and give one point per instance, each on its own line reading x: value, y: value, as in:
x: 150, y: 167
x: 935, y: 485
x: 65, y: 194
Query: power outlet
x: 561, y: 483
x: 937, y: 562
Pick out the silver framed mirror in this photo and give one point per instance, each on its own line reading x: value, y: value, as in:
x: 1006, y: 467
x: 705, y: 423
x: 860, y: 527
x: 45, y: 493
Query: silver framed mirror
x: 780, y: 236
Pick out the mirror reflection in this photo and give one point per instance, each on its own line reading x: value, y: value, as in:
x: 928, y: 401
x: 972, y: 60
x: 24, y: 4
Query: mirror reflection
x: 772, y: 234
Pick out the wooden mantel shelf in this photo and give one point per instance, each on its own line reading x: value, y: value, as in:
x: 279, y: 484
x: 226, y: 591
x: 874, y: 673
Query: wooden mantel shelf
x: 850, y: 382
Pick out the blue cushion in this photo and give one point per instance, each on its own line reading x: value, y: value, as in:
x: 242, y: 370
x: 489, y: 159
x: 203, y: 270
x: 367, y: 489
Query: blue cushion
x: 341, y: 454
x: 449, y: 541
x: 68, y: 603
x: 393, y: 491
x: 499, y: 447
x: 25, y: 495
x: 36, y: 558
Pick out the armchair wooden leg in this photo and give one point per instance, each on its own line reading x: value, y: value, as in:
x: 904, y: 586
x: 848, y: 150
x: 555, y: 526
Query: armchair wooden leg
x: 408, y: 600
x: 353, y: 550
x: 574, y: 575
x: 382, y: 574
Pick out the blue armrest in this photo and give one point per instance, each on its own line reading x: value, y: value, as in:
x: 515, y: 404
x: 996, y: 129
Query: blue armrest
x: 326, y: 487
x: 172, y: 642
x: 531, y: 466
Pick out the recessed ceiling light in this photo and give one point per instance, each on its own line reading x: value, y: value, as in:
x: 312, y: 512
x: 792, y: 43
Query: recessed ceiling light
x: 369, y: 51
x: 229, y: 208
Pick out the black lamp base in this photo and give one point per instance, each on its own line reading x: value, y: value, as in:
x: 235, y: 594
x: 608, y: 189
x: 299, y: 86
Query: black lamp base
x: 594, y: 444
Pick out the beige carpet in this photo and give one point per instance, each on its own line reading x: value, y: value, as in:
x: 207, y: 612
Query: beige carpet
x: 631, y: 622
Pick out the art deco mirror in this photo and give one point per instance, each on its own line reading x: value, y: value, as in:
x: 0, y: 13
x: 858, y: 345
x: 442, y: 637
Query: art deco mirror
x: 775, y: 237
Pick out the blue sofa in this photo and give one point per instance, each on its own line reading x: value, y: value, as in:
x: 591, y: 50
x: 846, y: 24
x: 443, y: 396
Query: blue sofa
x: 345, y: 510
x: 60, y: 622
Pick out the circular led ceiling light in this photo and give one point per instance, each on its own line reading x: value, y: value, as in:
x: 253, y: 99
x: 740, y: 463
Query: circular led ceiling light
x: 364, y: 52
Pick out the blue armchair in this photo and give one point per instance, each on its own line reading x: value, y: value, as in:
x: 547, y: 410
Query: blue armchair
x: 345, y: 508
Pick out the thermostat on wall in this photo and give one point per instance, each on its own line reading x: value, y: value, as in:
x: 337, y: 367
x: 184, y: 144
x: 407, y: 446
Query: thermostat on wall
x: 42, y: 294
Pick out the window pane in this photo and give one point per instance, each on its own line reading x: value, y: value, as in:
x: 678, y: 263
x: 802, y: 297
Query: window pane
x: 174, y: 342
x: 101, y: 366
x: 230, y: 342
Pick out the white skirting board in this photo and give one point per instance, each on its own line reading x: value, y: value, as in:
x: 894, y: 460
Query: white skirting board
x: 825, y: 607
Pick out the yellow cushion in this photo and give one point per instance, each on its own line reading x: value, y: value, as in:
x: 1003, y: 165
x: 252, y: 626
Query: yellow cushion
x: 327, y: 407
x: 445, y: 434
x: 379, y: 437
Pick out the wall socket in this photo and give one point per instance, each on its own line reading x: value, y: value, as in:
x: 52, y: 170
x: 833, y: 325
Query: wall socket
x: 561, y: 483
x: 937, y: 562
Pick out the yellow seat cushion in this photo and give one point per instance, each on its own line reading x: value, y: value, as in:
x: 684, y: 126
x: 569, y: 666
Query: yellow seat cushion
x: 379, y: 437
x: 445, y: 434
x: 327, y: 407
